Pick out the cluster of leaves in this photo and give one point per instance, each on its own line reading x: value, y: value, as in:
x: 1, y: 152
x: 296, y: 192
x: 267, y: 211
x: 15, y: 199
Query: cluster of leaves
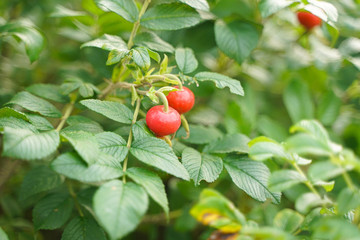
x: 99, y: 170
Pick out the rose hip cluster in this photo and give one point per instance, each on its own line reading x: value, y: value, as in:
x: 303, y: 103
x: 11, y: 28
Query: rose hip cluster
x: 164, y: 123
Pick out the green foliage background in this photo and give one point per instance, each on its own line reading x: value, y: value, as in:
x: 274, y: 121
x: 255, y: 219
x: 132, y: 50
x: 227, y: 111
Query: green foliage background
x: 280, y: 162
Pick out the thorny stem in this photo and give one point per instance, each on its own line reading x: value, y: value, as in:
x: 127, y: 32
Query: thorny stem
x: 137, y: 24
x: 163, y: 100
x: 68, y: 110
x: 73, y: 195
x: 129, y: 141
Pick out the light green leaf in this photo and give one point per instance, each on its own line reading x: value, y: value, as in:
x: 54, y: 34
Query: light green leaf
x: 3, y: 235
x: 25, y: 31
x: 125, y: 8
x: 38, y: 180
x: 334, y: 228
x: 61, y: 11
x: 141, y: 57
x: 201, y: 166
x: 329, y: 108
x: 74, y: 83
x: 251, y: 177
x: 113, y: 110
x: 35, y: 104
x: 200, y: 134
x: 313, y: 128
x: 288, y: 220
x: 158, y: 153
x: 186, y: 60
x: 28, y: 145
x: 16, y: 123
x: 153, y: 41
x: 229, y: 143
x: 83, y: 228
x: 298, y: 101
x: 52, y: 211
x: 170, y: 16
x: 309, y: 200
x: 107, y: 42
x: 39, y: 122
x: 324, y: 10
x: 347, y: 200
x: 140, y: 130
x: 271, y: 128
x: 264, y: 150
x: 197, y: 4
x: 269, y: 7
x: 116, y: 56
x: 221, y: 81
x: 152, y: 184
x: 323, y: 171
x: 48, y: 91
x: 284, y: 179
x: 236, y: 39
x: 72, y: 166
x: 303, y: 143
x: 112, y: 144
x: 81, y: 123
x: 117, y: 204
x: 85, y: 145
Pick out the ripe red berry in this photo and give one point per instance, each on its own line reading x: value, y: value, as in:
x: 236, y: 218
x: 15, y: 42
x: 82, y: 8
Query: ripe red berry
x: 308, y: 20
x: 163, y: 123
x: 182, y: 100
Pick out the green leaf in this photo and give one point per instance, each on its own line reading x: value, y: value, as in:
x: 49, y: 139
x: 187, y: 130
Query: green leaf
x: 72, y: 166
x: 324, y: 10
x: 323, y: 171
x: 197, y: 4
x: 28, y: 145
x: 108, y: 42
x: 186, y: 60
x: 152, y: 184
x: 113, y: 110
x: 10, y: 112
x: 83, y: 228
x: 116, y: 56
x: 39, y: 122
x: 251, y: 177
x: 158, y: 153
x: 347, y: 200
x: 269, y: 7
x: 154, y: 55
x: 35, y: 104
x: 329, y: 108
x: 16, y: 123
x: 221, y: 81
x: 85, y: 145
x: 61, y: 11
x: 48, y: 91
x: 271, y: 128
x: 3, y: 235
x: 38, y: 180
x: 283, y: 179
x: 25, y: 31
x: 141, y: 57
x: 52, y: 211
x: 201, y: 166
x: 236, y: 39
x: 80, y: 123
x: 261, y: 151
x: 313, y: 128
x: 117, y: 204
x: 303, y: 143
x: 200, y: 134
x: 288, y: 220
x: 298, y: 101
x: 74, y: 83
x: 112, y: 144
x: 170, y: 16
x: 229, y: 143
x: 125, y: 8
x: 309, y: 200
x: 334, y: 228
x: 153, y: 41
x: 140, y: 130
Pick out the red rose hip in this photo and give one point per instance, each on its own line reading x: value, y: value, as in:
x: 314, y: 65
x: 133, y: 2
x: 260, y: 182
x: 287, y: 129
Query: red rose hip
x: 182, y: 100
x: 163, y: 123
x: 308, y: 20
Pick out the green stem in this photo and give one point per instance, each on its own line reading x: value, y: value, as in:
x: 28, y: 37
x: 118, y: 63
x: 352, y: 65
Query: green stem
x: 73, y: 195
x: 163, y: 100
x: 129, y: 141
x: 137, y: 24
x: 68, y: 110
x: 348, y: 181
x: 185, y: 124
x: 307, y: 182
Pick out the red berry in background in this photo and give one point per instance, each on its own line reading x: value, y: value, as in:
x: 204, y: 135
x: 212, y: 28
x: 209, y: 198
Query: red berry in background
x: 308, y: 20
x: 163, y: 123
x: 182, y: 100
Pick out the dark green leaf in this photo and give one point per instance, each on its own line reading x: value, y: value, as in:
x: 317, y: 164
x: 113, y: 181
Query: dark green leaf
x: 200, y: 134
x: 48, y: 91
x: 83, y: 228
x: 112, y: 144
